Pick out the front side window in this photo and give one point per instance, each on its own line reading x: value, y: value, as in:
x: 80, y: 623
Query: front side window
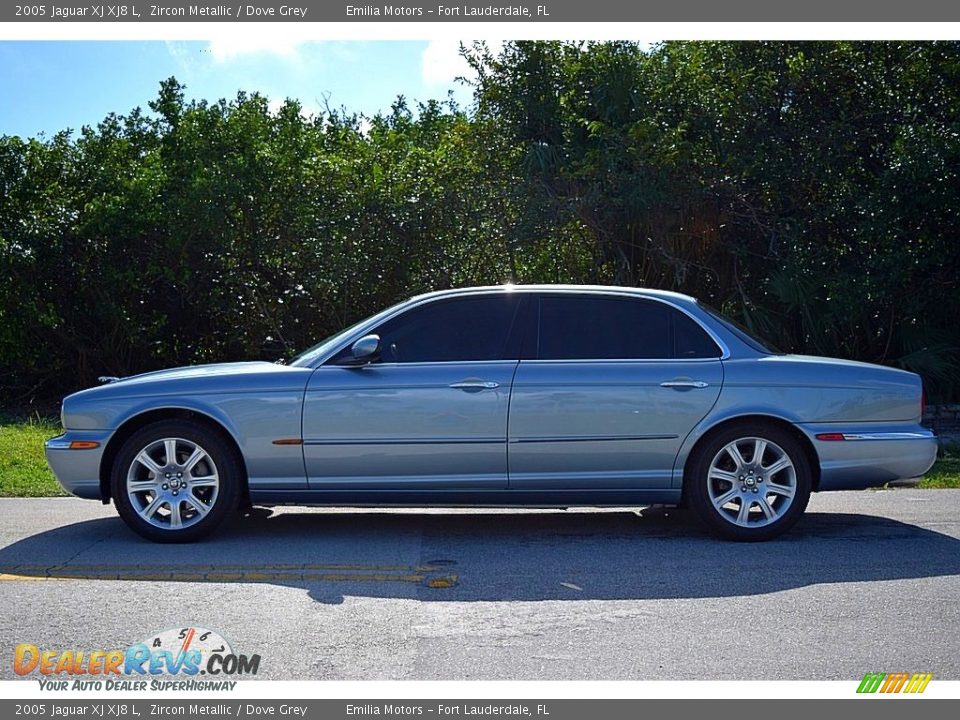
x: 308, y: 356
x: 611, y: 328
x: 474, y: 328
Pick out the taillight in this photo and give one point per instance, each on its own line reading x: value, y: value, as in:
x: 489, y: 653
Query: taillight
x: 923, y: 401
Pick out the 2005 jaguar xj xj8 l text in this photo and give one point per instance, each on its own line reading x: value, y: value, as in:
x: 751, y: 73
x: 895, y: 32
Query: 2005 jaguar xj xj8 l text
x: 548, y: 396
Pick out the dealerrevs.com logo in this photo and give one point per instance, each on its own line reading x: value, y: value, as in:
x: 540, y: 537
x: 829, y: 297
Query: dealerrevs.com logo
x: 894, y: 683
x: 187, y: 652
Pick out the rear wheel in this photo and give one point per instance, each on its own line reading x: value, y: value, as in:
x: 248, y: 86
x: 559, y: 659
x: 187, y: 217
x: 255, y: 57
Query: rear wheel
x: 750, y: 482
x: 175, y: 481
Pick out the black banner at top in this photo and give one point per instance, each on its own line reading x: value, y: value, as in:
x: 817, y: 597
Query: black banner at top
x: 577, y: 11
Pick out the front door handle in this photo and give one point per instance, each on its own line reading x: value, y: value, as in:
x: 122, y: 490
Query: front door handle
x: 684, y: 384
x: 475, y: 385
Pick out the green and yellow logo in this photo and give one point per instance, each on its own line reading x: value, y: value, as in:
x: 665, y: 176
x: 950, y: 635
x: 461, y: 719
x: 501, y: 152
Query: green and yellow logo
x: 894, y: 682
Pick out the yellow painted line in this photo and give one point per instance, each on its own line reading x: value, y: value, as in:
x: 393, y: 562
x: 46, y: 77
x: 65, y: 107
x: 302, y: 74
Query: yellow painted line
x: 443, y: 582
x: 8, y: 576
x: 233, y: 573
x: 113, y: 568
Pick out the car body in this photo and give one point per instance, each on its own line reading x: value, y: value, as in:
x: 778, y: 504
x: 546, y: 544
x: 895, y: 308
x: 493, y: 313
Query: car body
x: 539, y: 395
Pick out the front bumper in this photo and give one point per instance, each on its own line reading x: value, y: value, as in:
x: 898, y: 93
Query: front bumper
x: 77, y: 470
x: 869, y: 455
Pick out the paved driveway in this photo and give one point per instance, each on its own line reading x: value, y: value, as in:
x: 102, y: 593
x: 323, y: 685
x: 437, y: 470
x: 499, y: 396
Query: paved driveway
x: 868, y: 581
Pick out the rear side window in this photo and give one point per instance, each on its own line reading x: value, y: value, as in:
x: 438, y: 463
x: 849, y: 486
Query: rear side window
x: 690, y: 340
x: 475, y: 328
x: 609, y: 328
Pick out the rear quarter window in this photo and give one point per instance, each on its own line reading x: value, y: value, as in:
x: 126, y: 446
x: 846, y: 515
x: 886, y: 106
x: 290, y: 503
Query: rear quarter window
x: 574, y: 327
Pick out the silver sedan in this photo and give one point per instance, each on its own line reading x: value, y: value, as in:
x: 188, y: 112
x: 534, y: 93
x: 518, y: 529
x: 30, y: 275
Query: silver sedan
x: 547, y: 396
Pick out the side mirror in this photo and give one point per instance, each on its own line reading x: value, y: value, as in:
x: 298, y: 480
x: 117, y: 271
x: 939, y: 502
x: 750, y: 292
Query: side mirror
x: 363, y: 351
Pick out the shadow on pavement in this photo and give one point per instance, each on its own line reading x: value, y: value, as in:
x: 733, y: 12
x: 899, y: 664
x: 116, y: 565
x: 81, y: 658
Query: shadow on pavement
x: 485, y: 556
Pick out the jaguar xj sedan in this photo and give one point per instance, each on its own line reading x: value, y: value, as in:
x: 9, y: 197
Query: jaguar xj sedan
x: 533, y: 396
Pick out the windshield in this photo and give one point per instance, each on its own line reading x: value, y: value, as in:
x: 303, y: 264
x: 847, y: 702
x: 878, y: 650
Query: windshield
x: 745, y: 336
x: 307, y: 357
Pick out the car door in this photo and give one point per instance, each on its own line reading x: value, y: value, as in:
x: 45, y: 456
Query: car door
x: 613, y: 387
x: 430, y: 414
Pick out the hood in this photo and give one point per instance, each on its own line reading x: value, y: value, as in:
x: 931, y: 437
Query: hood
x: 201, y: 379
x: 199, y: 371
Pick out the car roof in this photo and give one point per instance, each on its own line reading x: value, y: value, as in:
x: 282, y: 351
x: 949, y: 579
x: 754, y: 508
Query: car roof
x: 509, y: 287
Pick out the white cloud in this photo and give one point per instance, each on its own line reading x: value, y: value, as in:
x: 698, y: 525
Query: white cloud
x: 441, y: 62
x: 230, y: 47
x: 181, y: 55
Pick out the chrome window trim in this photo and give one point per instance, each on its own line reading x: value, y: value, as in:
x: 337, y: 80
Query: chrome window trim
x: 620, y: 361
x: 532, y: 290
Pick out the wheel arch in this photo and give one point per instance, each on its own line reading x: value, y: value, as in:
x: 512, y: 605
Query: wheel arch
x: 746, y: 419
x: 142, y: 419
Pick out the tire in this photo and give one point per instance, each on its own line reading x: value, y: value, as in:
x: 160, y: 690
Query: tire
x: 774, y: 492
x: 203, y: 482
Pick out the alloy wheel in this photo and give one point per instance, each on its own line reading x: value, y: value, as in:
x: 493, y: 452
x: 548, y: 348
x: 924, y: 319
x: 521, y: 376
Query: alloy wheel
x: 752, y: 482
x: 173, y: 483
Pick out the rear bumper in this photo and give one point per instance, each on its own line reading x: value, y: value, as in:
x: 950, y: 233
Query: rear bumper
x: 77, y: 471
x: 868, y: 455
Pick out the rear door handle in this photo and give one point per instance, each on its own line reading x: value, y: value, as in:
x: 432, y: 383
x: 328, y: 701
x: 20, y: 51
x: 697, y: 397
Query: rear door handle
x: 475, y: 385
x: 684, y: 384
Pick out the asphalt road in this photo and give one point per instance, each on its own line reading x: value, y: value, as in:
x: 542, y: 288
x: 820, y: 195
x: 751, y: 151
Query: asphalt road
x: 867, y: 581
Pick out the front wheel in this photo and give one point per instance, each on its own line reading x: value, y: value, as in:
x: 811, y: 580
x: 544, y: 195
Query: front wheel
x: 175, y: 481
x: 750, y: 482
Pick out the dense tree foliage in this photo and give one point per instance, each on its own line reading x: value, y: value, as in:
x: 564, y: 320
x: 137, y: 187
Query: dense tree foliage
x: 809, y: 189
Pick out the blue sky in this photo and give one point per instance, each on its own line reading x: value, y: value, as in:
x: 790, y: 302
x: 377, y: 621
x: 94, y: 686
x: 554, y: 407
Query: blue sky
x: 47, y: 86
